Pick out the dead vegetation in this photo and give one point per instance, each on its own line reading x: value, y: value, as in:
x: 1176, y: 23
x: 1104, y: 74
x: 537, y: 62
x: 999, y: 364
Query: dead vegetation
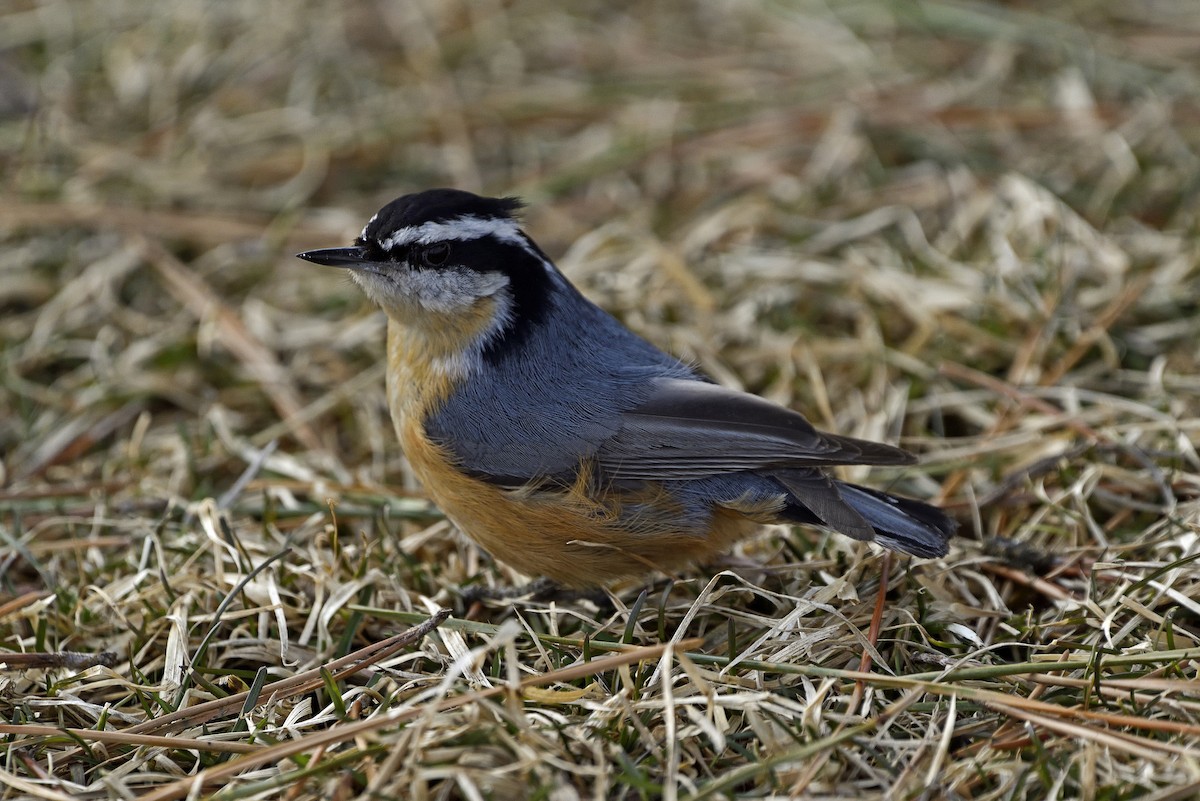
x: 968, y: 227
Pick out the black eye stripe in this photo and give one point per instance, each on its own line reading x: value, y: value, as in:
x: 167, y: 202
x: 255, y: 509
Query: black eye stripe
x: 376, y: 253
x: 483, y: 254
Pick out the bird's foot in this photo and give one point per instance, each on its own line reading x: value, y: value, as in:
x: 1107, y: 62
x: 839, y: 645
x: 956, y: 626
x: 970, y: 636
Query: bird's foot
x: 540, y: 590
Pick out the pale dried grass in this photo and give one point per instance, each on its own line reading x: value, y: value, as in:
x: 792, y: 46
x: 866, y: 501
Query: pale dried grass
x: 969, y: 228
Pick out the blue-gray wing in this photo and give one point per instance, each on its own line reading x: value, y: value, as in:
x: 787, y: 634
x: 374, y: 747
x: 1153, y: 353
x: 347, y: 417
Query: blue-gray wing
x: 691, y: 429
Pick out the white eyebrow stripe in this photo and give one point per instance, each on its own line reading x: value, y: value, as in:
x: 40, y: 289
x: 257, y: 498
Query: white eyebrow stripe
x: 374, y: 217
x: 460, y: 228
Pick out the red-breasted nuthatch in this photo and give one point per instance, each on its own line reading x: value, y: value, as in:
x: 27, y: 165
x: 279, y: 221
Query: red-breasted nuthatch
x: 563, y: 443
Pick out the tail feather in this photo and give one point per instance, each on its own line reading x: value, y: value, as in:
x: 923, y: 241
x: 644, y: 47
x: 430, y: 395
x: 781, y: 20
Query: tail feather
x: 824, y: 501
x: 902, y: 523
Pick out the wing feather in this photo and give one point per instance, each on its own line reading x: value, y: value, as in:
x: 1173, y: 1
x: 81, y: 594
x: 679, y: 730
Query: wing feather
x: 691, y: 429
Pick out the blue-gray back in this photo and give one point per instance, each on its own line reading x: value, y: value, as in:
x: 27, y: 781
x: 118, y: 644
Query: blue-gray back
x: 540, y: 407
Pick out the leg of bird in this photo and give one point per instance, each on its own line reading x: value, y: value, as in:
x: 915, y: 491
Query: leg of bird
x: 541, y: 590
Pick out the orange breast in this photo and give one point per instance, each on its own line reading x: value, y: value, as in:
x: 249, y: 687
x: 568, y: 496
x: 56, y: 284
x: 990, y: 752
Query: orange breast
x: 578, y: 536
x: 566, y: 534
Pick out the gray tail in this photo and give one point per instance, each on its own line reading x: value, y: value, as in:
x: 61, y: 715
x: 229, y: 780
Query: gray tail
x: 901, y: 524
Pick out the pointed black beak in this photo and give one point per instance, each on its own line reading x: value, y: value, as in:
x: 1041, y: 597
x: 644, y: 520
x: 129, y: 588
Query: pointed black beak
x: 337, y: 257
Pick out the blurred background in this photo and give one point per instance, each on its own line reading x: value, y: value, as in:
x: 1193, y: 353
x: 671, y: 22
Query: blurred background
x: 967, y: 227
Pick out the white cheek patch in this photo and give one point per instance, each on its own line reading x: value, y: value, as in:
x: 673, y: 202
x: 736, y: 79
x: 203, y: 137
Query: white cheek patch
x: 453, y: 290
x: 460, y: 228
x: 439, y: 291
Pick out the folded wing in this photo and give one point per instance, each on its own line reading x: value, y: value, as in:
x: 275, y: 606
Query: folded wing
x: 691, y: 429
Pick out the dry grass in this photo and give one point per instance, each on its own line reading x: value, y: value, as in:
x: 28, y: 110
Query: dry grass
x: 971, y: 227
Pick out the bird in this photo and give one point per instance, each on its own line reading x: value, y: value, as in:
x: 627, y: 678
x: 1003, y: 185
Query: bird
x: 564, y: 444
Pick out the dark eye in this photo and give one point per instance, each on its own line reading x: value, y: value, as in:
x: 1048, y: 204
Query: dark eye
x: 436, y: 254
